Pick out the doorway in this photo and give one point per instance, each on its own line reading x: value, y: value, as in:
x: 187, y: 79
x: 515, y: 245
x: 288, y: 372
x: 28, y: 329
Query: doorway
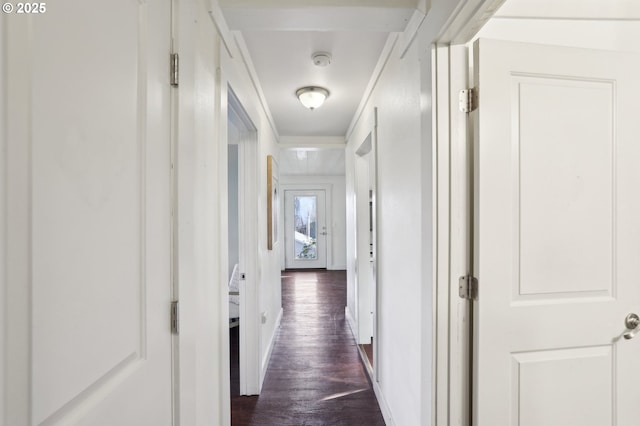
x: 305, y: 229
x: 365, y: 188
x: 540, y: 187
x: 242, y: 210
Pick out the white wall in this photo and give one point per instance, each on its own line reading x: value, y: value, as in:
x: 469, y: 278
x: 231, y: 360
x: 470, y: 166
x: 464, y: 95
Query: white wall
x: 198, y: 247
x: 405, y: 260
x: 337, y: 228
x: 235, y: 71
x: 209, y: 60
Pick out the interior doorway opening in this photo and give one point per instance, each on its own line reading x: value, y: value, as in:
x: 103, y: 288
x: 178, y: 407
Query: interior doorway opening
x: 242, y: 211
x: 366, y: 245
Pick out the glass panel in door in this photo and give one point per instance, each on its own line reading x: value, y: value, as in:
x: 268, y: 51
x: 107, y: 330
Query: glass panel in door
x: 306, y: 224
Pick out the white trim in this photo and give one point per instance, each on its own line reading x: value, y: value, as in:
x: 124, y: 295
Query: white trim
x: 255, y: 81
x: 303, y: 16
x: 453, y: 230
x: 352, y: 323
x: 375, y: 76
x: 272, y: 341
x: 234, y: 38
x: 250, y: 331
x: 411, y: 31
x: 217, y: 16
x: 382, y: 403
x: 467, y: 20
x: 366, y: 286
x: 312, y: 141
x: 453, y: 209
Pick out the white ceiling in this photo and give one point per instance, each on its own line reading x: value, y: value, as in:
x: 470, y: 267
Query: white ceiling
x: 281, y: 36
x: 283, y: 62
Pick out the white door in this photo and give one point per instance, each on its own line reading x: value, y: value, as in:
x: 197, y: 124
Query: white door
x: 305, y: 229
x: 556, y: 236
x: 88, y: 215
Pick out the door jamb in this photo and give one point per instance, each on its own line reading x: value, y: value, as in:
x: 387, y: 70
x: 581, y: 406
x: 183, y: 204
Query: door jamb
x: 454, y: 208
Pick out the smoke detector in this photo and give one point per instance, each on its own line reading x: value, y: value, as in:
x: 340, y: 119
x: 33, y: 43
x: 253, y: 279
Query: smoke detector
x: 321, y: 59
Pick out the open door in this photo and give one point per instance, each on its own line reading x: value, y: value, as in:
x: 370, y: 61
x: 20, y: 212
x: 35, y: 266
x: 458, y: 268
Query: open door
x: 556, y: 236
x: 88, y: 215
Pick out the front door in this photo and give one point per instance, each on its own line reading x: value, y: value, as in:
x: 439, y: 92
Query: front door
x: 305, y: 229
x: 88, y: 215
x: 556, y: 236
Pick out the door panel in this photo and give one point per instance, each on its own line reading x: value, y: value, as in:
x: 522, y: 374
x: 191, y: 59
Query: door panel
x: 306, y: 230
x: 555, y: 178
x: 535, y: 402
x: 98, y: 264
x: 564, y: 165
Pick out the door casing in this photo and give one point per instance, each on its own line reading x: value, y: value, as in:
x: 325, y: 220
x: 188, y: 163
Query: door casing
x: 250, y: 382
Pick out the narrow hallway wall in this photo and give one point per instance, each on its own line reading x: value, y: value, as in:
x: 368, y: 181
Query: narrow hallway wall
x: 403, y: 97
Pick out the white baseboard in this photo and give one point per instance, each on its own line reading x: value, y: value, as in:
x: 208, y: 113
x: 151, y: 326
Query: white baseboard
x: 267, y: 355
x: 384, y: 407
x: 382, y: 402
x: 352, y: 323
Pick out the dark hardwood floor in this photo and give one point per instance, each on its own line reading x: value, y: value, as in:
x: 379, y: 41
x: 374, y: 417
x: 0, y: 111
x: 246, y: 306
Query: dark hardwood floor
x: 315, y: 376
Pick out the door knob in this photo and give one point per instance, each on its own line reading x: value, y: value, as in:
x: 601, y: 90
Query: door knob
x: 632, y: 322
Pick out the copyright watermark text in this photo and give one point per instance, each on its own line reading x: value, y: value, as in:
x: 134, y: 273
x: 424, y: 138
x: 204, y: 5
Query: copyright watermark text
x: 24, y: 8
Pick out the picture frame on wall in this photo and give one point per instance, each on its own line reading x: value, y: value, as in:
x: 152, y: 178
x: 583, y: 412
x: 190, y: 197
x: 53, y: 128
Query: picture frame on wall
x: 272, y: 202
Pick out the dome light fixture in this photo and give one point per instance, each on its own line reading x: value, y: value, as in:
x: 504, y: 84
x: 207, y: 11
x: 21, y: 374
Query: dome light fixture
x: 312, y: 96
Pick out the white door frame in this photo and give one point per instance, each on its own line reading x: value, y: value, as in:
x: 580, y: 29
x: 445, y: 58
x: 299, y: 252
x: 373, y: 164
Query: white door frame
x: 454, y: 204
x: 366, y: 157
x: 365, y: 282
x: 328, y: 191
x: 247, y: 235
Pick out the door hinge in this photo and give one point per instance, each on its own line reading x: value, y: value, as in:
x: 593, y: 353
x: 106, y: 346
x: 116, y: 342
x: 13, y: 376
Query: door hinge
x: 175, y: 69
x: 468, y: 100
x: 175, y: 324
x: 468, y: 287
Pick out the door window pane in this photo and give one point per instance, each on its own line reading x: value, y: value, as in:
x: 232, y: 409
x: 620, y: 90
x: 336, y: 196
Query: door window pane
x: 305, y: 223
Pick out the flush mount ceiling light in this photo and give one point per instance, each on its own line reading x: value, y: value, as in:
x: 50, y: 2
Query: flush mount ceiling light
x: 312, y: 96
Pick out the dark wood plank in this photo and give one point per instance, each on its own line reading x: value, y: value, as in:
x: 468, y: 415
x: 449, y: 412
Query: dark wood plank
x: 315, y: 376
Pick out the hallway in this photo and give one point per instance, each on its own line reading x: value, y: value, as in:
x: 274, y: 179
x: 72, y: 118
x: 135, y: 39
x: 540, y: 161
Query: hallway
x: 315, y: 376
